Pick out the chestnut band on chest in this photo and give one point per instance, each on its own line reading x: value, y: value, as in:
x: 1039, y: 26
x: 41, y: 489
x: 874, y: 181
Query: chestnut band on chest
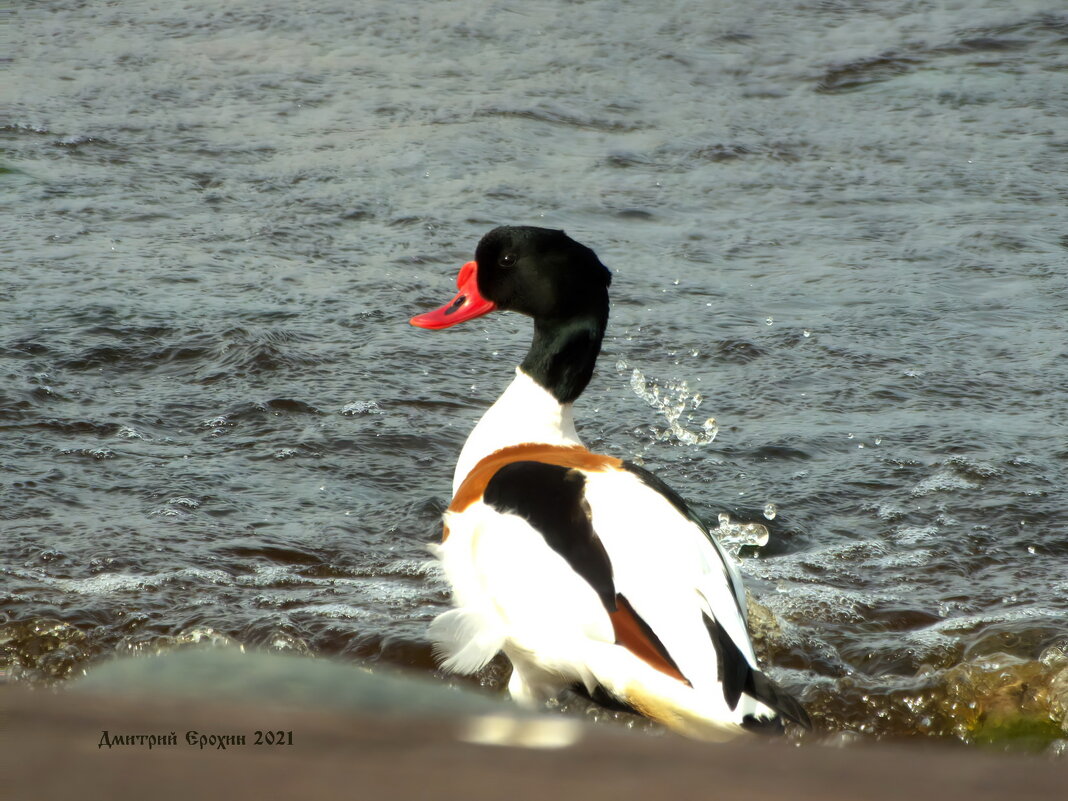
x: 474, y: 486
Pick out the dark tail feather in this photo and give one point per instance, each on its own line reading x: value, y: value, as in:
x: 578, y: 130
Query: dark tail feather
x: 738, y: 677
x: 769, y: 693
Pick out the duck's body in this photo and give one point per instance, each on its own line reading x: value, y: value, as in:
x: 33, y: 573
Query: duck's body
x: 585, y: 570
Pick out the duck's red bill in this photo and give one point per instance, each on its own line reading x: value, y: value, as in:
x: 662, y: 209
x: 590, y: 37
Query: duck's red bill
x: 467, y: 305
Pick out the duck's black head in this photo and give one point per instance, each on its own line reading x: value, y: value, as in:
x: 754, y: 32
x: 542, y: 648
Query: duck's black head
x: 542, y: 273
x: 547, y: 275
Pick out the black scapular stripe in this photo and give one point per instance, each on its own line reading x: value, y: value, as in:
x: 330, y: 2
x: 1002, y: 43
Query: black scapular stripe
x: 738, y: 677
x: 551, y: 498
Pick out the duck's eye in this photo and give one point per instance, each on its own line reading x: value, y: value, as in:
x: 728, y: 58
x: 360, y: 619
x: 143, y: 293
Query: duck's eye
x: 507, y: 260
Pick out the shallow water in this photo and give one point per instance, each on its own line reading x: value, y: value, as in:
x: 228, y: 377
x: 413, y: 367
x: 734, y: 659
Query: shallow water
x: 837, y: 229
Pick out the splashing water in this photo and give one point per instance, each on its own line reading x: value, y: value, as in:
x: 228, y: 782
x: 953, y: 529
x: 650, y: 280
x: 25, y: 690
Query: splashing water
x: 673, y: 400
x: 735, y: 536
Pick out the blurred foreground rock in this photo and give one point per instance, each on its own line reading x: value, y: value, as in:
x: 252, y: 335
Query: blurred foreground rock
x: 360, y: 735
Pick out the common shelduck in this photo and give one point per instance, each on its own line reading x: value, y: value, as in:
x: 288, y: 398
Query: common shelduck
x: 587, y: 571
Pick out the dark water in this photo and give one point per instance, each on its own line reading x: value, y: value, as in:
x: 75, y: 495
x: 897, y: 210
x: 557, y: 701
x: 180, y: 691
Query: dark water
x: 842, y: 225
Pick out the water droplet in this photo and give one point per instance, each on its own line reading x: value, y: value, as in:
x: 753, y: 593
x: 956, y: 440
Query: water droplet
x: 756, y: 534
x: 736, y: 535
x: 711, y: 428
x: 770, y: 510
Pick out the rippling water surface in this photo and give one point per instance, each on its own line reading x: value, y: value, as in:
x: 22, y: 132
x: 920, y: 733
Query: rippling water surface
x: 837, y: 228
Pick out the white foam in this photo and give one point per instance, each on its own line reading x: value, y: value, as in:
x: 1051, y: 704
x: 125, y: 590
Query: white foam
x: 810, y: 602
x: 361, y: 407
x: 126, y: 432
x: 1032, y: 614
x: 337, y: 611
x: 911, y: 535
x: 912, y: 558
x: 268, y: 575
x: 110, y: 583
x: 943, y: 481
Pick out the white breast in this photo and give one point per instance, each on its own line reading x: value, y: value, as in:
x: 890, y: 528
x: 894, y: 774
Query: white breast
x: 526, y: 412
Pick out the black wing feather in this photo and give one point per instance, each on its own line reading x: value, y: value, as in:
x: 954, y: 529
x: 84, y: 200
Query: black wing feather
x: 734, y: 670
